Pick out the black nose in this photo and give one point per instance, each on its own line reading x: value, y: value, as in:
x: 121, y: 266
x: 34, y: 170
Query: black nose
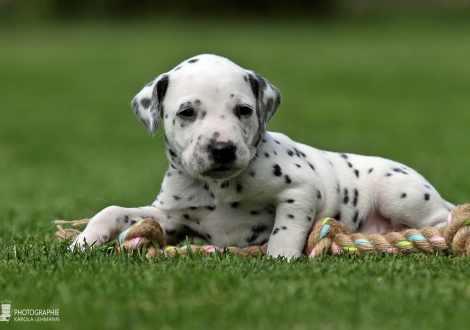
x: 223, y: 152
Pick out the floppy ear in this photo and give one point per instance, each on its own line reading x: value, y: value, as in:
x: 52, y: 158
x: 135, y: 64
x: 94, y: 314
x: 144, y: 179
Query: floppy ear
x: 267, y: 97
x: 147, y: 105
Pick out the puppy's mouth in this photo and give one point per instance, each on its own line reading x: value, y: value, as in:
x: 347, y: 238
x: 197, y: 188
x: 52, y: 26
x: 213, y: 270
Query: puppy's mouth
x: 221, y: 172
x: 221, y: 169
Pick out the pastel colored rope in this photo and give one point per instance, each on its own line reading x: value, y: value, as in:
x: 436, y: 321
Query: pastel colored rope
x: 327, y: 236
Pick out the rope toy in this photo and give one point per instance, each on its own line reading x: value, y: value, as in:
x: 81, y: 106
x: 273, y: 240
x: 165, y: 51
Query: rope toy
x: 328, y: 236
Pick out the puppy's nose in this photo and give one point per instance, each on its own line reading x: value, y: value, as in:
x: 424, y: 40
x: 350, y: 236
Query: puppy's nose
x: 223, y: 152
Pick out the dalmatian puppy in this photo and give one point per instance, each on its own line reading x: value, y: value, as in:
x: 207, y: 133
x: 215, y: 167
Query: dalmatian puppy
x: 235, y: 184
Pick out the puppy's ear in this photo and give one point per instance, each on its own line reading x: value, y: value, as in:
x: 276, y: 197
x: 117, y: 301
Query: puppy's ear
x: 147, y: 105
x: 267, y: 97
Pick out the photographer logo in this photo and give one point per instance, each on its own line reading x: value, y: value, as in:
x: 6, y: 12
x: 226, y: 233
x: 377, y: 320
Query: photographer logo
x: 27, y: 314
x: 6, y: 311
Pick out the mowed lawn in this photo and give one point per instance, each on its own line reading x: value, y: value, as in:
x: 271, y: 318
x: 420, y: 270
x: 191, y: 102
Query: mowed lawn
x: 70, y: 146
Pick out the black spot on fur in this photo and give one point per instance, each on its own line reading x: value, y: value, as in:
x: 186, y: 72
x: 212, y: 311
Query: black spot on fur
x: 388, y: 174
x: 357, y: 173
x: 290, y: 201
x: 318, y: 193
x: 210, y: 208
x: 399, y: 170
x: 239, y: 188
x: 344, y: 156
x: 160, y: 88
x: 208, y: 236
x: 252, y: 238
x: 254, y: 84
x: 145, y: 102
x: 176, y: 197
x: 186, y: 216
x: 203, y: 114
x: 298, y: 166
x: 309, y: 218
x: 277, y: 170
x: 370, y: 170
x: 349, y: 164
x: 266, y: 155
x: 284, y: 227
x: 337, y: 216
x: 288, y: 179
x: 126, y: 219
x: 403, y: 195
x: 277, y: 141
x: 259, y: 228
x: 194, y: 60
x: 206, y: 186
x: 193, y: 208
x: 359, y: 225
x: 291, y: 216
x: 356, y: 197
x: 311, y: 166
x: 427, y: 197
x: 254, y: 212
x: 235, y: 204
x: 345, y: 196
x: 356, y: 215
x: 290, y: 153
x: 276, y: 230
x: 225, y: 184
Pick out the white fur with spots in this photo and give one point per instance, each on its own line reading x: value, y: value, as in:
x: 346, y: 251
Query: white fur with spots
x: 235, y: 184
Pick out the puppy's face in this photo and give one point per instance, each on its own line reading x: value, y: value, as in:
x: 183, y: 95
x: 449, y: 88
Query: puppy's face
x: 214, y: 115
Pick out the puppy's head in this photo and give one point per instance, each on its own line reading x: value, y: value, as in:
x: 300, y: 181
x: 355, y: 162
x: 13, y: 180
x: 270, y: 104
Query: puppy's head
x: 214, y: 115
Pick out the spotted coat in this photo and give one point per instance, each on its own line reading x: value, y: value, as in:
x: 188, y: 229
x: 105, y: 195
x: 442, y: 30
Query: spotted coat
x: 235, y: 184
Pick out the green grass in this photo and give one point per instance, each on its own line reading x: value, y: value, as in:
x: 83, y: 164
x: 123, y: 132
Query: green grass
x: 70, y: 146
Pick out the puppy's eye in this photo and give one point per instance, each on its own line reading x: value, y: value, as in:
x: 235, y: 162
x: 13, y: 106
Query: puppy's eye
x: 245, y: 111
x: 187, y: 113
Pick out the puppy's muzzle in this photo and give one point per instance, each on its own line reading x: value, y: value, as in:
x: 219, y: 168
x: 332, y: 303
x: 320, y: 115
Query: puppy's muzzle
x: 223, y: 153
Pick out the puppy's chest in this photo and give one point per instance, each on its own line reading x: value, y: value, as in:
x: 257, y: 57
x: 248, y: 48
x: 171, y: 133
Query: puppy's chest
x: 240, y: 223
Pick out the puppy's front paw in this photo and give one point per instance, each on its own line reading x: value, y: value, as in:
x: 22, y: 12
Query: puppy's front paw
x: 91, y: 237
x: 102, y: 228
x: 285, y: 253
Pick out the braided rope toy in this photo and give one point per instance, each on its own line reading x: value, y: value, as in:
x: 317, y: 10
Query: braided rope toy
x: 327, y: 236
